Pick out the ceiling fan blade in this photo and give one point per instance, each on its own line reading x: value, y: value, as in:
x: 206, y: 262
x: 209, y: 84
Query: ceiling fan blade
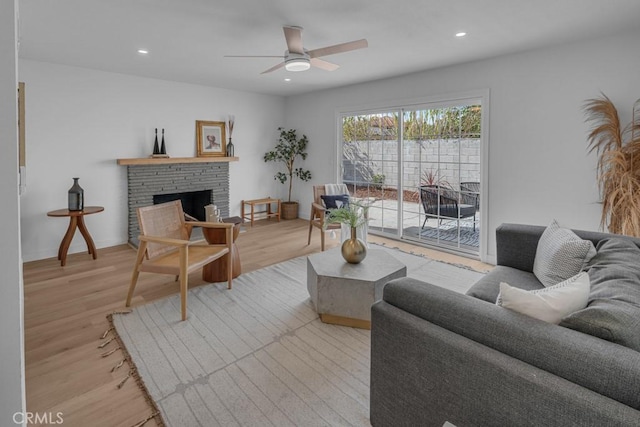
x: 338, y: 48
x: 275, y: 67
x: 254, y: 56
x: 293, y: 35
x: 319, y: 63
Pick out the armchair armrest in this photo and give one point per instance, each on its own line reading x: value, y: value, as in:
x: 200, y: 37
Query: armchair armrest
x: 516, y: 245
x: 317, y: 211
x: 210, y: 224
x: 164, y: 241
x: 190, y: 224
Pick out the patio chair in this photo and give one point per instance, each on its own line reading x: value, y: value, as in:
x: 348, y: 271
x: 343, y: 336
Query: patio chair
x: 164, y: 242
x: 470, y: 193
x: 445, y: 203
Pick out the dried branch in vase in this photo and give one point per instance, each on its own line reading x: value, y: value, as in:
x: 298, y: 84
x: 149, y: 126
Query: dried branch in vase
x: 230, y: 123
x: 618, y: 166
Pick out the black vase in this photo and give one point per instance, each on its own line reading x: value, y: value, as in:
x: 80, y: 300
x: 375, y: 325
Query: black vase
x: 76, y: 196
x: 230, y: 148
x: 163, y: 149
x: 156, y: 150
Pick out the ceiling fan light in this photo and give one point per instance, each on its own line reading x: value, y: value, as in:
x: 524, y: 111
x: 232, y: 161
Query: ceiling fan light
x: 297, y: 64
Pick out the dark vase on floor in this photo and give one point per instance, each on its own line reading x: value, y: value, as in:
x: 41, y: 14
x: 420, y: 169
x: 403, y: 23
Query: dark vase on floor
x: 230, y: 148
x: 76, y: 196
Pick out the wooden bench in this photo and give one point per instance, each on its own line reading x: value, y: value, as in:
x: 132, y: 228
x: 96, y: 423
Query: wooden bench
x: 267, y: 212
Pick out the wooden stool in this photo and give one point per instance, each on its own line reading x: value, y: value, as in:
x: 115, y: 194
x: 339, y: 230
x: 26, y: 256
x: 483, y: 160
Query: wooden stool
x: 267, y: 212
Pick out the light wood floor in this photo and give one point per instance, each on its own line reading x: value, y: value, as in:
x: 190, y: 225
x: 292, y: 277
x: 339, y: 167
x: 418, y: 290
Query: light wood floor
x: 66, y: 308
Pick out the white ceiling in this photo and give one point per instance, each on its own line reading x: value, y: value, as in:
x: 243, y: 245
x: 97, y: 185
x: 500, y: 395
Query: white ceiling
x: 187, y: 39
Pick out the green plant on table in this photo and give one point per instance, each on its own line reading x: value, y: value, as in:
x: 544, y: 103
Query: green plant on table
x: 354, y: 215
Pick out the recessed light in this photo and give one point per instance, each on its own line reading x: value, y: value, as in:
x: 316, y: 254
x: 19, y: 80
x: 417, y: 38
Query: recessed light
x: 143, y: 51
x: 287, y: 80
x: 461, y: 34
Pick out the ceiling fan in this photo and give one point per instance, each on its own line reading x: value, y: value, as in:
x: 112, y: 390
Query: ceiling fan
x: 297, y: 58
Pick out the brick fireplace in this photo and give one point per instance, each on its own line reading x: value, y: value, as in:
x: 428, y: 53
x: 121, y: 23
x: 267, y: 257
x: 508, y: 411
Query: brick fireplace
x: 148, y: 180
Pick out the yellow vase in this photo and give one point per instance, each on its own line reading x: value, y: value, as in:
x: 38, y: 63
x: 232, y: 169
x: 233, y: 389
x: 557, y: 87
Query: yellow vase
x: 353, y: 249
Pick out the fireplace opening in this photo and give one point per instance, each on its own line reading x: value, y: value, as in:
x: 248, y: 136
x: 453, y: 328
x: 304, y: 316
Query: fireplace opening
x: 193, y: 202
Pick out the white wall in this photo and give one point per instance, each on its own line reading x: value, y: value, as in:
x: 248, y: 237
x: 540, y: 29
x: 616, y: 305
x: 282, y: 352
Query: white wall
x: 79, y: 121
x: 539, y: 168
x: 12, y: 390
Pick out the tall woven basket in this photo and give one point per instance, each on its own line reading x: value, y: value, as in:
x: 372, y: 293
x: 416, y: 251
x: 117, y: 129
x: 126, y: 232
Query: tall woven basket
x: 289, y: 210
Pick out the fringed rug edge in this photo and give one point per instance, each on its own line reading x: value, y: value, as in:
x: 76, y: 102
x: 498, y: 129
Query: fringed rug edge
x: 133, y: 369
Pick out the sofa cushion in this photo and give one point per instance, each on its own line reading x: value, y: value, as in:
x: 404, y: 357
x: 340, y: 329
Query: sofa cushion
x: 561, y: 254
x: 550, y: 304
x: 488, y: 287
x: 613, y: 312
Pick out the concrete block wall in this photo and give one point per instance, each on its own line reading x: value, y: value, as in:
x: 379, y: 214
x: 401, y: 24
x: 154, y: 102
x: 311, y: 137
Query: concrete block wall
x: 145, y: 181
x: 455, y: 160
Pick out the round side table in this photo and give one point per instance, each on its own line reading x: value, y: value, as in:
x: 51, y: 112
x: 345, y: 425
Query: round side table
x: 76, y: 220
x: 216, y: 271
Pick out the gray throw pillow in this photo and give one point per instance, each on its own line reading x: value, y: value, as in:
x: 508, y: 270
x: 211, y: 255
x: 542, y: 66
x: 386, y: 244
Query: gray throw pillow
x: 560, y: 254
x: 613, y: 312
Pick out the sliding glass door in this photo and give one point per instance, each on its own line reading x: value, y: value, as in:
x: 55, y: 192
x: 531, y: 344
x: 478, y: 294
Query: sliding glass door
x: 370, y: 165
x: 418, y: 167
x: 441, y: 164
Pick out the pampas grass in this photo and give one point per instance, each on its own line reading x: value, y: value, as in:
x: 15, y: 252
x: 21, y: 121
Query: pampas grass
x: 618, y: 166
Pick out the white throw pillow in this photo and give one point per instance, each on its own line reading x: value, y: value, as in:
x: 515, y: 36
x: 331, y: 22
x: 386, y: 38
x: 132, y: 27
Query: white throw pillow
x: 560, y: 254
x: 549, y: 304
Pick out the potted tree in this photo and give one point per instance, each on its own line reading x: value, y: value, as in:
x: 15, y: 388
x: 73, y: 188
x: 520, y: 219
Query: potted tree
x: 289, y: 147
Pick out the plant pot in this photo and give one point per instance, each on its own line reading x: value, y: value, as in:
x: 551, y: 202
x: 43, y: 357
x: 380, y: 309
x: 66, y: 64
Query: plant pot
x: 289, y: 210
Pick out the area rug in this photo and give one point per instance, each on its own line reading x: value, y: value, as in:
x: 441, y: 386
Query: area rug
x: 258, y: 354
x: 468, y: 236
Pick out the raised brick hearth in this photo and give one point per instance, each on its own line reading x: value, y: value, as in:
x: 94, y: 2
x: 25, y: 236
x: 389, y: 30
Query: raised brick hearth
x: 145, y: 181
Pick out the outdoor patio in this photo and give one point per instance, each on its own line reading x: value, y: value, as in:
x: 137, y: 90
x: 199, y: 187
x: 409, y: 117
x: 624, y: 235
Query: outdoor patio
x: 383, y: 217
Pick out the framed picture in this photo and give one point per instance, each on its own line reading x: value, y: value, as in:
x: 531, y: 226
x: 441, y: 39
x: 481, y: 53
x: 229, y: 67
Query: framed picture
x: 211, y: 140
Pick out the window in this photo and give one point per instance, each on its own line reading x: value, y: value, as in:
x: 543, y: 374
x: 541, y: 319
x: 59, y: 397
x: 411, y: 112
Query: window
x: 419, y: 168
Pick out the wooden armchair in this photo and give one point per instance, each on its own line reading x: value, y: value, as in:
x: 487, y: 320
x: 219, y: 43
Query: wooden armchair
x: 318, y: 214
x: 165, y: 247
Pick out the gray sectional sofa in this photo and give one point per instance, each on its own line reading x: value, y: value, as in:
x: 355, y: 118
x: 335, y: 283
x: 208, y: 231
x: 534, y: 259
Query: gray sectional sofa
x: 439, y: 356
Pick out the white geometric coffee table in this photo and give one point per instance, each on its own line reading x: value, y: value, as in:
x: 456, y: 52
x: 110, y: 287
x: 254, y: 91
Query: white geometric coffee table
x: 343, y: 293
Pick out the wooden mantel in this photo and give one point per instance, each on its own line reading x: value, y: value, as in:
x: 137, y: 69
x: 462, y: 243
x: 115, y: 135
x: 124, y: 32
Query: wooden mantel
x: 173, y: 160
